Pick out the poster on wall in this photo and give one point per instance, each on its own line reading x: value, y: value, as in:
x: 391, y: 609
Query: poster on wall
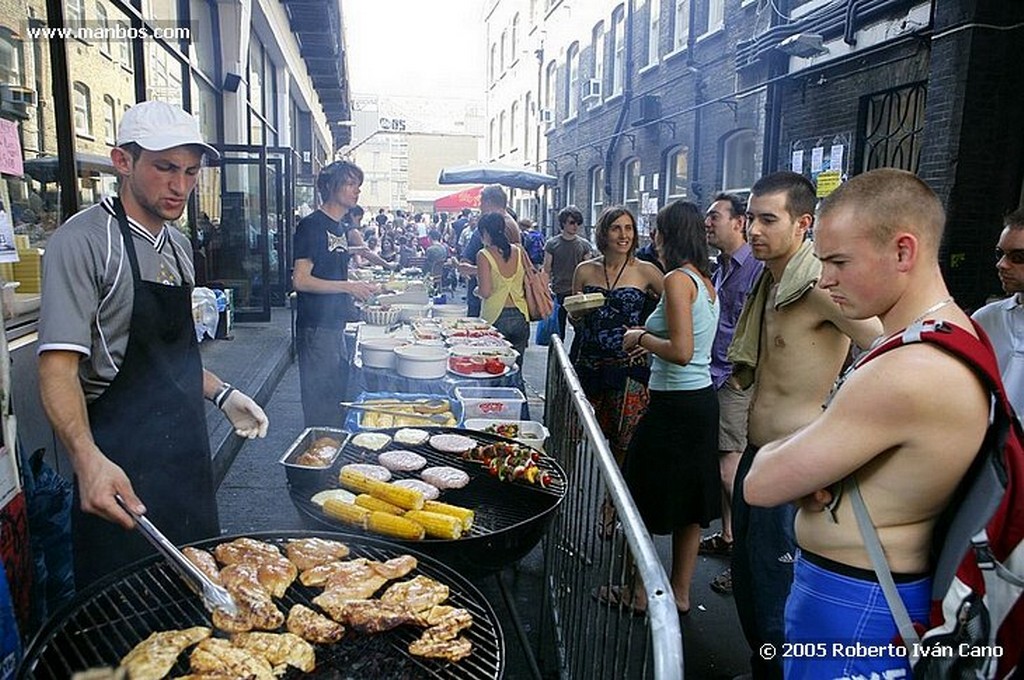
x: 8, y: 249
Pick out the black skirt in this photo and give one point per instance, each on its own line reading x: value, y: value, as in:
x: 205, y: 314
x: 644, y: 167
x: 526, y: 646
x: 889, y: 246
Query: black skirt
x: 672, y: 464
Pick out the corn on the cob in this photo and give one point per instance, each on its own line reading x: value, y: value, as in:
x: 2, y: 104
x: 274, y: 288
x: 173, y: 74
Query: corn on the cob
x: 395, y: 526
x: 436, y: 524
x: 372, y: 503
x: 348, y: 513
x: 407, y: 499
x: 464, y: 515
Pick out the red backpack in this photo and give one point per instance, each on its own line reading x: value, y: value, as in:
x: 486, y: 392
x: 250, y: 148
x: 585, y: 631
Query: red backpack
x: 977, y: 603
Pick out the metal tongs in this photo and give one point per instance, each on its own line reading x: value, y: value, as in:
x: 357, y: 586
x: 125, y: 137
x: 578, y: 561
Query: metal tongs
x: 213, y: 596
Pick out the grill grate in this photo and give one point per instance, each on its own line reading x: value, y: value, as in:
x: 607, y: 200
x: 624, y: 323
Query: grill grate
x: 510, y: 516
x: 104, y: 622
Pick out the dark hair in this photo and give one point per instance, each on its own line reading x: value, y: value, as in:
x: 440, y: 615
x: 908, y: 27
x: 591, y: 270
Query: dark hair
x: 800, y: 195
x: 683, y: 237
x: 736, y: 204
x: 356, y: 213
x: 493, y: 194
x: 569, y: 211
x: 1015, y: 219
x: 493, y: 224
x: 434, y: 235
x: 333, y: 176
x: 604, y: 225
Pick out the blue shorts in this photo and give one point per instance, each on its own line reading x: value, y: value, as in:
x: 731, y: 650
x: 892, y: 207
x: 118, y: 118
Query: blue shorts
x: 839, y: 626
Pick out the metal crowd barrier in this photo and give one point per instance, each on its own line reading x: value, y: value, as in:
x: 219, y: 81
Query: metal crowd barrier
x: 591, y: 639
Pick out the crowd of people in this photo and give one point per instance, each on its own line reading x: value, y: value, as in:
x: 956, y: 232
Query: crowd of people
x: 714, y: 380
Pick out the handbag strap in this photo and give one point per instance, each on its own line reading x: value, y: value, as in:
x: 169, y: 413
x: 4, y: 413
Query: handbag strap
x: 881, y: 566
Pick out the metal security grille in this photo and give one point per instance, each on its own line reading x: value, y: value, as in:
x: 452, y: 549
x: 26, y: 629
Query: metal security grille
x: 891, y: 127
x: 593, y: 640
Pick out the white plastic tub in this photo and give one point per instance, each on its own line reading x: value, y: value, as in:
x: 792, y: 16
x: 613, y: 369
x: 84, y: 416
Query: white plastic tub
x: 380, y: 352
x: 531, y: 433
x: 494, y: 403
x: 422, y: 362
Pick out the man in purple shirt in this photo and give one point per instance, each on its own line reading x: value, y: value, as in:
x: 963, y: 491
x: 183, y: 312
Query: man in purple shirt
x: 737, y: 271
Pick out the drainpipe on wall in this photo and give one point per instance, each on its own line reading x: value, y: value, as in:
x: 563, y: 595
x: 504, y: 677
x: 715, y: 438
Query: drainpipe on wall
x: 627, y: 98
x: 778, y: 65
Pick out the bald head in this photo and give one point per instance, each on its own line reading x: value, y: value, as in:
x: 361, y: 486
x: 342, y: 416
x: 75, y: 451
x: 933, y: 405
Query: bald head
x: 888, y: 201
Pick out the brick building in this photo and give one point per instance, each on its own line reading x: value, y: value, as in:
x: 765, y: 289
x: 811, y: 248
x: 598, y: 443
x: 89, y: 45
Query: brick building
x: 647, y: 101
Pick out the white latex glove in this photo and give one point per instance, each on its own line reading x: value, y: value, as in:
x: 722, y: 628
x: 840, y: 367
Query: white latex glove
x: 245, y: 415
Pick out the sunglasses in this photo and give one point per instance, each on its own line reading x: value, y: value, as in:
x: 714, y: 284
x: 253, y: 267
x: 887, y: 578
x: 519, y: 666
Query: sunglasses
x: 1014, y: 256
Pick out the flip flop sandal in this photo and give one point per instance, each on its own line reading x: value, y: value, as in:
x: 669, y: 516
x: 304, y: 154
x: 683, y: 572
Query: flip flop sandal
x: 722, y: 583
x: 615, y: 597
x: 715, y: 545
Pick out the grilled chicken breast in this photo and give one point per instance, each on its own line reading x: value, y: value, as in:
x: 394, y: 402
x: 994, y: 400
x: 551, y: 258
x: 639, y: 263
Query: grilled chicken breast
x: 279, y: 649
x: 215, y: 656
x: 245, y: 550
x: 434, y: 648
x: 313, y: 626
x: 204, y: 562
x: 154, y: 657
x: 374, y: 616
x: 306, y: 553
x: 256, y: 608
x: 419, y: 594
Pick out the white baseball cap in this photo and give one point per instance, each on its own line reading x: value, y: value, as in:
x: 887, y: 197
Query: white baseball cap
x: 158, y: 126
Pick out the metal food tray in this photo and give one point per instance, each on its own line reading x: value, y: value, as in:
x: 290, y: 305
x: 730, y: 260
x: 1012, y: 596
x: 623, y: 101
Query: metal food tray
x: 308, y: 474
x: 103, y: 622
x: 355, y: 416
x: 510, y: 517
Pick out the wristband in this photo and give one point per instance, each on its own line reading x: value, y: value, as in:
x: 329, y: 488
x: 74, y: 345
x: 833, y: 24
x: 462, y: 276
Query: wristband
x: 222, y: 394
x: 640, y: 340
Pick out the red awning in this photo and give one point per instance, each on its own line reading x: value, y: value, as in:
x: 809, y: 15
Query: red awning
x: 467, y: 198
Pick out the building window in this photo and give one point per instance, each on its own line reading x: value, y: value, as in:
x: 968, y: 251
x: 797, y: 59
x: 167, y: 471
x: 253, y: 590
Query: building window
x: 492, y: 63
x: 598, y: 38
x: 527, y: 126
x: 124, y: 45
x: 596, y: 193
x: 569, y: 195
x: 491, y: 140
x: 501, y: 133
x: 676, y: 174
x: 738, y: 164
x: 573, y: 81
x: 104, y: 26
x: 681, y: 32
x: 631, y: 184
x: 10, y: 58
x: 619, y: 53
x: 653, y: 31
x: 503, y: 51
x: 109, y: 125
x: 549, y: 89
x: 514, y: 43
x: 83, y: 110
x: 75, y: 13
x: 513, y: 123
x: 892, y: 123
x: 716, y: 15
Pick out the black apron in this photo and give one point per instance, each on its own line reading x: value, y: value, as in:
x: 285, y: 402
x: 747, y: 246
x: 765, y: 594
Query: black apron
x: 151, y: 421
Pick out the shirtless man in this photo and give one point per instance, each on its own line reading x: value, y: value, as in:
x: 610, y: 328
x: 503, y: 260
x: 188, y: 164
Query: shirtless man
x: 790, y: 341
x: 906, y: 425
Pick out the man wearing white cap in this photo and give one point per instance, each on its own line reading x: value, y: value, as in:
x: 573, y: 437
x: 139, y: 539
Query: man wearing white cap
x: 121, y: 378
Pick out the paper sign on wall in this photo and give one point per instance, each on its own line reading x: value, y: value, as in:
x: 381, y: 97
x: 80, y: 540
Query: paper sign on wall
x: 11, y: 162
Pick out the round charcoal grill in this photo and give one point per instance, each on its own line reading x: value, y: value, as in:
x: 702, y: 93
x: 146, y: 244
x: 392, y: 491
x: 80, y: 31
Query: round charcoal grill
x: 510, y: 520
x: 105, y: 621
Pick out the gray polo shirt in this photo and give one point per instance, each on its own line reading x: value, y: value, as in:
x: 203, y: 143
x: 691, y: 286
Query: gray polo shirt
x: 87, y: 288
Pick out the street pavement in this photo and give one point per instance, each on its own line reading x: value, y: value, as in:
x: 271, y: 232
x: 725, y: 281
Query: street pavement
x: 253, y: 496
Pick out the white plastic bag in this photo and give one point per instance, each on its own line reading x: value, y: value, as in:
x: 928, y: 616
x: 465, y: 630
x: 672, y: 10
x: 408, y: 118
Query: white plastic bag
x: 204, y: 312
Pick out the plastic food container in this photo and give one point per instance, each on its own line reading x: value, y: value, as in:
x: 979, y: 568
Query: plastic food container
x: 531, y: 433
x: 307, y: 475
x: 449, y: 311
x: 422, y: 362
x: 507, y: 355
x: 380, y: 352
x: 494, y: 403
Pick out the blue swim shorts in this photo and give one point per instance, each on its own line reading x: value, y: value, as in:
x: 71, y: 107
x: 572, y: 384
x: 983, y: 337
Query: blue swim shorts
x: 839, y: 627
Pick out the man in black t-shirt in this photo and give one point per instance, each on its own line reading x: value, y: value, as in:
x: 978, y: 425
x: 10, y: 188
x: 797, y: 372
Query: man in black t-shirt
x: 321, y: 280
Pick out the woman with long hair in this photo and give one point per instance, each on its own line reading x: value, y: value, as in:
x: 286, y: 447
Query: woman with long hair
x: 672, y: 465
x: 501, y: 271
x: 615, y: 381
